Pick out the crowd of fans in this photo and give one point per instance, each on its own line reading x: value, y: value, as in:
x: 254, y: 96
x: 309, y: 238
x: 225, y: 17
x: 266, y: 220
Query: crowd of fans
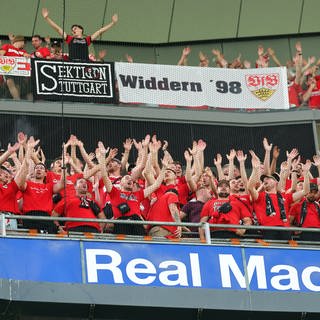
x: 303, y: 81
x: 100, y: 185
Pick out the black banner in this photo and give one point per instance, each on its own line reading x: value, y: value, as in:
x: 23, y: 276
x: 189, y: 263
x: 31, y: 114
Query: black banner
x: 73, y: 81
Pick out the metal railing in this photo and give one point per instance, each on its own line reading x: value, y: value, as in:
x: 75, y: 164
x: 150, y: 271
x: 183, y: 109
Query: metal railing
x: 204, y: 225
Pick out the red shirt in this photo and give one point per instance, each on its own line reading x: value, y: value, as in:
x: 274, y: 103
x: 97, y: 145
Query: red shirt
x: 41, y: 52
x: 8, y: 194
x: 182, y: 189
x: 38, y: 197
x: 12, y: 51
x: 160, y: 210
x: 314, y: 101
x: 133, y: 200
x: 312, y: 219
x: 73, y: 210
x: 244, y: 201
x: 70, y: 181
x: 294, y: 91
x: 259, y: 207
x: 237, y: 213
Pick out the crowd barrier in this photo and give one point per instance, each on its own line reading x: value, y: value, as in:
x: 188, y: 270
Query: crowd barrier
x: 188, y: 237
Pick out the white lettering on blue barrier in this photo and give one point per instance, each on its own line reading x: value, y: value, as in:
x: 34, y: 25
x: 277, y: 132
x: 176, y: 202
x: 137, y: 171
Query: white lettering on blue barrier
x: 142, y: 271
x: 287, y: 280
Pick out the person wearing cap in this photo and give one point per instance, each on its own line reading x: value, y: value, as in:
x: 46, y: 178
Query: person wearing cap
x: 223, y: 210
x: 78, y: 44
x: 14, y: 50
x: 40, y: 51
x: 56, y: 52
x: 270, y: 205
x: 306, y: 214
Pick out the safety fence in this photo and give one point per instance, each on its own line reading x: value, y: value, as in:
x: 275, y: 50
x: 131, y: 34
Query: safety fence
x: 252, y: 236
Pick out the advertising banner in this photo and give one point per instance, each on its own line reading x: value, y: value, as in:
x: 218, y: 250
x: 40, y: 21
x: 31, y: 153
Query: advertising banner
x: 73, y: 81
x: 161, y: 265
x: 264, y: 88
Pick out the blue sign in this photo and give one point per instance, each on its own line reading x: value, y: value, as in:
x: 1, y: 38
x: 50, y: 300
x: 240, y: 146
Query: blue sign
x: 161, y: 265
x: 40, y: 260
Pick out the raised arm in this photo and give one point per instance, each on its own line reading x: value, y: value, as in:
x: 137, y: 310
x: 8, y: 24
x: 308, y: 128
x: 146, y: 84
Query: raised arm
x: 9, y: 152
x: 45, y: 15
x: 275, y: 156
x: 137, y: 170
x: 157, y: 183
x: 183, y: 59
x: 105, y: 28
x: 84, y: 154
x: 102, y: 163
x: 21, y: 175
x: 241, y: 157
x: 298, y: 195
x: 127, y: 145
x: 255, y: 176
x: 191, y: 183
x: 218, y: 163
x: 267, y: 151
x: 231, y: 157
x: 274, y: 57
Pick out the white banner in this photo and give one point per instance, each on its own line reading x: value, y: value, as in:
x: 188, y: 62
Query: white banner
x: 195, y: 86
x: 15, y: 66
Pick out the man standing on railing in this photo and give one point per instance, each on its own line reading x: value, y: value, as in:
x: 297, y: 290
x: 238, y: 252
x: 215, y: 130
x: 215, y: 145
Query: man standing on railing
x: 78, y: 44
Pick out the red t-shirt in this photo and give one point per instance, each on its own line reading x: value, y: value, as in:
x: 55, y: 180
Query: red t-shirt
x: 182, y: 189
x: 73, y: 210
x: 12, y: 51
x: 8, y: 194
x: 38, y: 197
x: 160, y: 210
x: 70, y: 181
x: 244, y: 201
x: 312, y: 219
x: 259, y: 207
x: 314, y: 101
x: 41, y: 52
x: 294, y: 92
x: 210, y: 209
x: 133, y: 200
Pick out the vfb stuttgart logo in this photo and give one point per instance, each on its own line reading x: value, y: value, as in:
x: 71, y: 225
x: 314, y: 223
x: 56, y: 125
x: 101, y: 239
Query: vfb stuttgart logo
x: 263, y: 86
x: 7, y: 64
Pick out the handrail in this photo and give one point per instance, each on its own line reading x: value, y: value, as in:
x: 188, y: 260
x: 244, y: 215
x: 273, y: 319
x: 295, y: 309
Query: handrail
x: 158, y: 223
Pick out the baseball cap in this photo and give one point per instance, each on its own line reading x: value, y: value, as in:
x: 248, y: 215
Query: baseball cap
x: 116, y: 160
x: 223, y: 181
x: 273, y: 176
x: 56, y: 43
x: 18, y: 38
x: 5, y: 169
x: 313, y: 186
